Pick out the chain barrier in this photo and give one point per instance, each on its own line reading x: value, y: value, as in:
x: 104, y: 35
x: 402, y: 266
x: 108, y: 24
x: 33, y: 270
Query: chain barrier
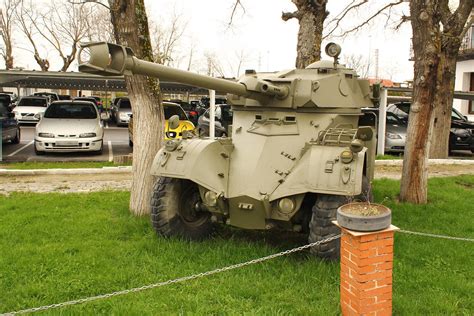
x: 435, y: 236
x: 208, y: 273
x: 178, y: 280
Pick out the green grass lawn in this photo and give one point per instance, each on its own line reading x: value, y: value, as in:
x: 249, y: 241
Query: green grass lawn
x: 56, y: 247
x: 57, y: 165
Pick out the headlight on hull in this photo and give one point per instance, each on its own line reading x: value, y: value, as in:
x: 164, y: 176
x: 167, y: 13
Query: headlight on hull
x: 392, y: 136
x: 86, y: 135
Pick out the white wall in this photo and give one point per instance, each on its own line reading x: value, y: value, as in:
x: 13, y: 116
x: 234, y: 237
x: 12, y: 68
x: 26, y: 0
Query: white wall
x: 462, y: 81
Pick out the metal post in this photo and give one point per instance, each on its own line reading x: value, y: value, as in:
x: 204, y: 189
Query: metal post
x: 212, y: 114
x: 382, y: 122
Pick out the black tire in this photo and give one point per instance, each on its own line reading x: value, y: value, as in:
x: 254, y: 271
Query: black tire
x: 38, y: 152
x: 16, y: 140
x: 324, y: 212
x: 177, y: 211
x: 130, y: 143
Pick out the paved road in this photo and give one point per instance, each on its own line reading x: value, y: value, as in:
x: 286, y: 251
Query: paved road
x: 115, y: 143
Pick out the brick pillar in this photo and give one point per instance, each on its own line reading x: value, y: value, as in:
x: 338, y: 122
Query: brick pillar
x: 366, y: 272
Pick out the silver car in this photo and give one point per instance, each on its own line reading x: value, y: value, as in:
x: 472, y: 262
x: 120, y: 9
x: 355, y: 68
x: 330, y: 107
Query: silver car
x: 69, y: 126
x: 395, y: 134
x: 122, y: 111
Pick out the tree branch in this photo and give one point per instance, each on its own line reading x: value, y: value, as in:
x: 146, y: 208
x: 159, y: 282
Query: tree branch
x: 342, y: 14
x: 234, y: 9
x: 285, y: 16
x: 390, y: 5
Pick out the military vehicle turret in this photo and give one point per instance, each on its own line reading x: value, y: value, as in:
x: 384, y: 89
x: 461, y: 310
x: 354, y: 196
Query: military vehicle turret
x: 294, y: 154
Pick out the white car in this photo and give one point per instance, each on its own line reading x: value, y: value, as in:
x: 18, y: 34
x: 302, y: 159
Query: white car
x: 69, y: 126
x: 28, y: 107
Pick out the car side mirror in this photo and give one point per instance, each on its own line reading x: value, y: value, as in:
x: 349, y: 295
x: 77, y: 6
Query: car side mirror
x: 173, y: 122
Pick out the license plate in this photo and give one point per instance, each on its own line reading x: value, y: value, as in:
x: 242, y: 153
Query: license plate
x: 66, y: 143
x: 28, y: 118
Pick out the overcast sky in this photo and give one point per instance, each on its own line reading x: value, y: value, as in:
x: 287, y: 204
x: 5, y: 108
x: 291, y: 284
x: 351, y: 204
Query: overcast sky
x: 267, y: 42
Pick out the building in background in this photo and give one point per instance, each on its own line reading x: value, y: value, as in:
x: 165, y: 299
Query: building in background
x: 465, y: 73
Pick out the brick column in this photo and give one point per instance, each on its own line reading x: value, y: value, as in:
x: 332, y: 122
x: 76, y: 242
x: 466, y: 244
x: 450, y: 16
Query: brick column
x: 366, y: 272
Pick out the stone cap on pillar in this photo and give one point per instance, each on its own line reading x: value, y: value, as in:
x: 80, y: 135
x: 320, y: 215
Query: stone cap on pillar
x: 354, y: 233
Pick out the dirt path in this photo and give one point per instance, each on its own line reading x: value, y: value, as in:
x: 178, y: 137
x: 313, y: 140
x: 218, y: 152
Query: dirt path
x: 122, y: 181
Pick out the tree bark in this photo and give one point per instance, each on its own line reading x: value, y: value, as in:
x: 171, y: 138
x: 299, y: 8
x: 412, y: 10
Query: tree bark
x: 311, y: 16
x: 443, y: 105
x: 131, y: 28
x: 454, y: 28
x: 426, y: 47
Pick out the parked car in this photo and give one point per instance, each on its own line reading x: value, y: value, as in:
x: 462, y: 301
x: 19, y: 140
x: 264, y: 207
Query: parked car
x: 51, y: 95
x: 64, y: 97
x: 204, y: 104
x: 169, y: 110
x: 89, y: 99
x: 69, y: 126
x: 189, y: 109
x: 28, y: 107
x: 223, y: 118
x: 395, y: 129
x: 121, y: 111
x: 9, y: 124
x: 461, y: 135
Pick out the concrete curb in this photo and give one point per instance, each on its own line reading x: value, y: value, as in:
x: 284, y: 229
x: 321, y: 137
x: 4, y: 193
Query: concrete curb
x: 431, y: 162
x: 31, y: 172
x: 128, y: 169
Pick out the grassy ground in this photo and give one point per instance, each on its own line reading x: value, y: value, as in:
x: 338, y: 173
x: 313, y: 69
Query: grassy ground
x: 58, y: 247
x: 388, y: 157
x: 57, y: 165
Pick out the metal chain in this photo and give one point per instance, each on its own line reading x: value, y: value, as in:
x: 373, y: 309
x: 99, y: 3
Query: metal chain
x: 435, y: 236
x: 178, y: 280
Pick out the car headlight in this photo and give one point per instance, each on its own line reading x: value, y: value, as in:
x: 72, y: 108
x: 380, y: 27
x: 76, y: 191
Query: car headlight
x: 459, y: 131
x: 392, y: 136
x: 47, y: 135
x: 85, y: 135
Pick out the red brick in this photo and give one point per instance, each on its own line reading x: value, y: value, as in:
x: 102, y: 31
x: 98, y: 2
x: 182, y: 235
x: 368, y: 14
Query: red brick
x: 385, y: 250
x: 385, y: 266
x: 374, y: 260
x: 378, y: 292
x: 376, y: 244
x: 369, y: 237
x: 385, y: 235
x: 373, y: 276
x: 383, y: 282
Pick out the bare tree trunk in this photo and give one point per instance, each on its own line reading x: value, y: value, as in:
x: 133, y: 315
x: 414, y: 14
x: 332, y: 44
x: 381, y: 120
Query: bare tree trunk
x: 311, y: 16
x: 443, y: 107
x: 426, y: 47
x: 131, y: 28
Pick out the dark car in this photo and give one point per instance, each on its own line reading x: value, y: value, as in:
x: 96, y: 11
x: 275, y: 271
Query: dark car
x: 223, y: 118
x: 8, y: 122
x: 204, y: 104
x: 190, y: 110
x: 461, y: 135
x: 64, y: 97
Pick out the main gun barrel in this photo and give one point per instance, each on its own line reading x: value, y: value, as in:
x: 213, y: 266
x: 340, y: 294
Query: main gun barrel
x: 111, y: 60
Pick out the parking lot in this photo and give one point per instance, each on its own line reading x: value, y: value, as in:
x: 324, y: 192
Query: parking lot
x: 115, y: 143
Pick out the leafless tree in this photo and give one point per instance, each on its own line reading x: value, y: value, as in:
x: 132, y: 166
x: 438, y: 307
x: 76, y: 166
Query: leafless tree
x: 214, y: 66
x: 7, y: 21
x: 27, y: 16
x: 63, y: 26
x: 130, y: 24
x: 99, y: 28
x: 166, y: 38
x: 359, y: 63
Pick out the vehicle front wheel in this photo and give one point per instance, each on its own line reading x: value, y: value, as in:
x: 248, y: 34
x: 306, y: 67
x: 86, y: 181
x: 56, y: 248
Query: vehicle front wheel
x: 324, y: 212
x: 177, y: 210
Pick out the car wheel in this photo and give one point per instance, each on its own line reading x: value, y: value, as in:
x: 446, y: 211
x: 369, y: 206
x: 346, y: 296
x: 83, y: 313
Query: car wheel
x: 324, y: 212
x: 177, y: 210
x: 38, y: 152
x: 130, y: 143
x: 16, y: 140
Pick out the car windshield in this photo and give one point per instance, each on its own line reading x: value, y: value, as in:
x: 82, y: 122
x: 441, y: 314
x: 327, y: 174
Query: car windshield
x: 33, y: 102
x: 125, y: 104
x: 171, y: 110
x: 394, y: 120
x: 455, y: 115
x: 71, y: 111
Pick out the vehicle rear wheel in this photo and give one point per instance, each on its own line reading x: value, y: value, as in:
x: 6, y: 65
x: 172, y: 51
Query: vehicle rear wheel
x: 177, y: 210
x: 324, y: 212
x: 16, y: 140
